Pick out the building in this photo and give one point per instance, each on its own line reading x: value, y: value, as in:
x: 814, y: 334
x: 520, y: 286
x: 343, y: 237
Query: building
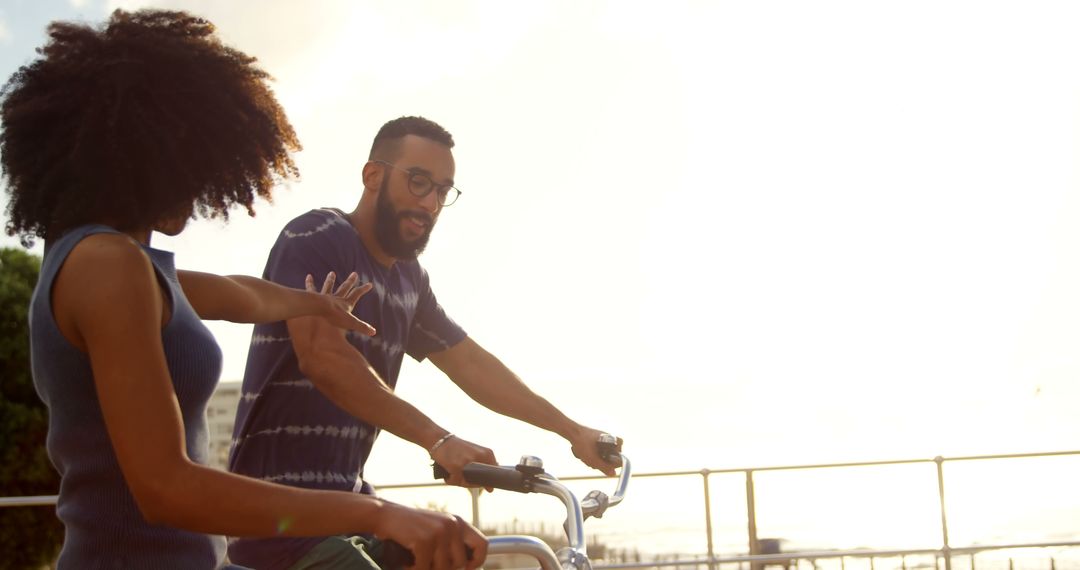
x: 220, y: 415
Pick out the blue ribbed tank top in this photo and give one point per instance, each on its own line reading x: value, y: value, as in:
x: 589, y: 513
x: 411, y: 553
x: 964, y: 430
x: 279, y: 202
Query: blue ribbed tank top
x: 103, y: 525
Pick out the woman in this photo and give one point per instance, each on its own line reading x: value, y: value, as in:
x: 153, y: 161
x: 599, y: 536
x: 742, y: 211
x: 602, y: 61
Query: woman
x: 111, y: 134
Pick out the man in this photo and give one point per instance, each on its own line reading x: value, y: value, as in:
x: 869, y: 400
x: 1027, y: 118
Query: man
x: 310, y: 411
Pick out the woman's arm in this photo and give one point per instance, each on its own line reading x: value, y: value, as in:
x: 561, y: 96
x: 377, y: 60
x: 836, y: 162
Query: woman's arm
x: 107, y: 301
x: 246, y: 299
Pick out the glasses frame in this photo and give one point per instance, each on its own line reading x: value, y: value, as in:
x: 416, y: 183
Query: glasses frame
x: 432, y: 187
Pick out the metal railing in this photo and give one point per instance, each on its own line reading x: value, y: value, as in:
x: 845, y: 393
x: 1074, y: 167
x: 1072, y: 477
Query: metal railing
x: 756, y: 558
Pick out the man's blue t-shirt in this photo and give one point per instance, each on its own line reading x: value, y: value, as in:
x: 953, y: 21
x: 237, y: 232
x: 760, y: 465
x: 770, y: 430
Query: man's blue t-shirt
x: 286, y: 431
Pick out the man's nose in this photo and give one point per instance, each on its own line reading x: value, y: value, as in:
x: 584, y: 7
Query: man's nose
x: 430, y: 202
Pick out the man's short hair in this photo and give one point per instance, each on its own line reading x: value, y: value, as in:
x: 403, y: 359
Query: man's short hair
x: 387, y: 140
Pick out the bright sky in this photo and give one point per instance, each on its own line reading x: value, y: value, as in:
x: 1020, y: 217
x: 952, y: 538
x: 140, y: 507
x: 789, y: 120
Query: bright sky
x: 735, y: 234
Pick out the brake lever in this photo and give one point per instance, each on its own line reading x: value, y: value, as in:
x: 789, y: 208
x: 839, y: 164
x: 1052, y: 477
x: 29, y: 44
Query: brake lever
x: 439, y: 472
x: 594, y: 505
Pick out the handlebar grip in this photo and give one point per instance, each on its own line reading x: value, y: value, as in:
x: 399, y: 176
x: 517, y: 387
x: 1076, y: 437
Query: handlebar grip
x: 506, y: 478
x: 483, y: 475
x: 394, y: 556
x: 608, y: 448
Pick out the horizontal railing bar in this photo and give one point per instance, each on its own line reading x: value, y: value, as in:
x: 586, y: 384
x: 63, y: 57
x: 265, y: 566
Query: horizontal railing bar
x: 816, y: 554
x: 1011, y: 456
x: 785, y: 557
x: 980, y: 548
x: 822, y: 554
x: 35, y: 501
x: 739, y: 470
x: 901, y: 461
x: 774, y: 468
x: 729, y: 471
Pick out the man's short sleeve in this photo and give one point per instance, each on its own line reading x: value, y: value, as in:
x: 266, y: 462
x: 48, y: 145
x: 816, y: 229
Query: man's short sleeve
x: 307, y: 246
x: 432, y: 330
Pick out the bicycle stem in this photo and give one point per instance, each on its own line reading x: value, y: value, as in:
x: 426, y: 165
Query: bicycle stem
x: 575, y: 530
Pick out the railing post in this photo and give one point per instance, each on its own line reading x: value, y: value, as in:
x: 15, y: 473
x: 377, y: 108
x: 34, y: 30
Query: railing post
x: 708, y: 517
x: 946, y: 551
x: 751, y: 519
x: 475, y: 492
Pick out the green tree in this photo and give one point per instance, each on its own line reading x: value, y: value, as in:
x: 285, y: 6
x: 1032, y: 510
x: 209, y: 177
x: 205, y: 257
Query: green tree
x: 30, y: 537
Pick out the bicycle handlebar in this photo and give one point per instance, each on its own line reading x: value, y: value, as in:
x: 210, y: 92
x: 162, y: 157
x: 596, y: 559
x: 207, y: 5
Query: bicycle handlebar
x: 506, y: 478
x: 529, y: 477
x: 518, y: 478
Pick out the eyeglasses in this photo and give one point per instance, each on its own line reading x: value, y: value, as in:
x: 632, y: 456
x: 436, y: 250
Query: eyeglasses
x: 420, y: 185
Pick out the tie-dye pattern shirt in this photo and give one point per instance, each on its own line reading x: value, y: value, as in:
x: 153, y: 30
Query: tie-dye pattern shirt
x: 286, y: 431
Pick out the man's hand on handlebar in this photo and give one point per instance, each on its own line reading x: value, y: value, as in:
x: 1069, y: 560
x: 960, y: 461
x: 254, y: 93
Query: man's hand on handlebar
x: 584, y: 447
x: 437, y: 541
x: 456, y: 453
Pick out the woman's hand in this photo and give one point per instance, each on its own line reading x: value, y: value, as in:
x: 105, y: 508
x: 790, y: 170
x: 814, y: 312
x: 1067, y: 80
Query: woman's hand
x: 437, y: 541
x: 336, y: 305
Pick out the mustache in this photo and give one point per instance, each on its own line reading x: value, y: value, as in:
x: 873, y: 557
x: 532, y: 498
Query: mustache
x: 417, y: 213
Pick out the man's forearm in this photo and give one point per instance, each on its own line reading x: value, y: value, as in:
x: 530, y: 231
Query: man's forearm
x: 493, y: 385
x: 509, y: 396
x: 348, y: 380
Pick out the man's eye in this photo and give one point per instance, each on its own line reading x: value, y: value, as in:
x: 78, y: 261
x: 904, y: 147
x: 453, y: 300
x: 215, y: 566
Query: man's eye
x: 420, y: 181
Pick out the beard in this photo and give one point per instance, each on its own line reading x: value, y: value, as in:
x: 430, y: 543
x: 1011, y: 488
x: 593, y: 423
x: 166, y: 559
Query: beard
x: 388, y: 228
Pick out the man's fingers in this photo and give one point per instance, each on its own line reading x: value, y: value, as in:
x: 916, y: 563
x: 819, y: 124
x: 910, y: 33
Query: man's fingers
x: 309, y: 283
x: 457, y: 478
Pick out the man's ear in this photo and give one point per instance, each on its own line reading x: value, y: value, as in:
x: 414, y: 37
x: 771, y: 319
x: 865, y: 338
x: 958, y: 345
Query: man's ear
x: 372, y: 176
